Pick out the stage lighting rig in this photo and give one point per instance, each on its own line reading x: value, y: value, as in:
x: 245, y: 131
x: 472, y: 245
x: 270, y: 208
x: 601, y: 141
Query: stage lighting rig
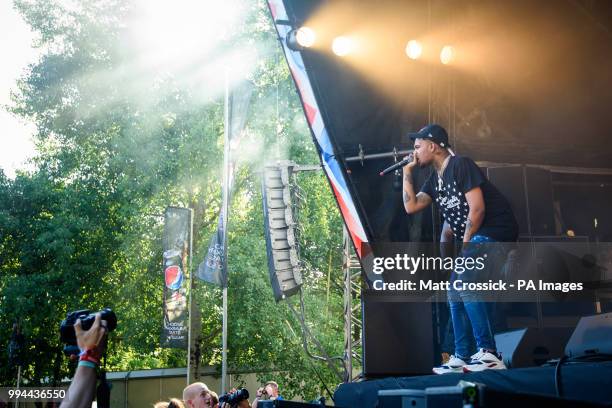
x: 300, y: 38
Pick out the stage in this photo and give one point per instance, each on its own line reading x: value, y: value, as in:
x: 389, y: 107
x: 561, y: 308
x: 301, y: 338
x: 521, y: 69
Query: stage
x: 589, y: 382
x: 519, y: 100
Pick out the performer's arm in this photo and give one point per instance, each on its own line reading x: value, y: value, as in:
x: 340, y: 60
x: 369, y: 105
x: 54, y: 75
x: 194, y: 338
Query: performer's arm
x: 447, y: 233
x: 476, y: 215
x: 446, y: 240
x: 413, y: 202
x: 83, y: 386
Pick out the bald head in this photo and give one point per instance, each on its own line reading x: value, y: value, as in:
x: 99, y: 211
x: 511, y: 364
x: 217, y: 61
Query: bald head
x: 192, y: 392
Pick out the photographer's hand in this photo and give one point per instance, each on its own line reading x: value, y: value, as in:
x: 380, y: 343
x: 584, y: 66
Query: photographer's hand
x: 92, y: 339
x: 91, y: 343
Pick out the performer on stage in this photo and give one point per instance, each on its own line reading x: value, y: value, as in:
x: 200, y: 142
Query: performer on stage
x: 475, y: 212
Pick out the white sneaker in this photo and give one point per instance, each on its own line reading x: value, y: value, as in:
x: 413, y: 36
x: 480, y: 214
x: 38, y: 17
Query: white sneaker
x: 484, y: 360
x: 453, y: 365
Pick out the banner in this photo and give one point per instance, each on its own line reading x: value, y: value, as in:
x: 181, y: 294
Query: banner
x: 212, y: 268
x: 176, y: 246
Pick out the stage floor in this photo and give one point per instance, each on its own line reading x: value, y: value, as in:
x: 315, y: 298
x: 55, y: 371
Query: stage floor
x: 590, y: 382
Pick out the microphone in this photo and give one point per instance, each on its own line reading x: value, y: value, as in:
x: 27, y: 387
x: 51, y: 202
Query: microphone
x: 396, y: 165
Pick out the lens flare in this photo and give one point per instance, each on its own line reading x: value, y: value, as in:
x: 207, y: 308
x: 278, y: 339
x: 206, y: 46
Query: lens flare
x: 414, y: 49
x: 343, y: 46
x: 447, y: 55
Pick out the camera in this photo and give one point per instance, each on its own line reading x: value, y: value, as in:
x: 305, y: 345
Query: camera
x: 233, y: 398
x: 67, y: 333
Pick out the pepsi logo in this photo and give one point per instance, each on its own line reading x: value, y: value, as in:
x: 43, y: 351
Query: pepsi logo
x: 174, y: 277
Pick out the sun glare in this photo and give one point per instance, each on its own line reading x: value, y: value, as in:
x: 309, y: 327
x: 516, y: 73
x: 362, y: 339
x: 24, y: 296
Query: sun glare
x: 180, y: 31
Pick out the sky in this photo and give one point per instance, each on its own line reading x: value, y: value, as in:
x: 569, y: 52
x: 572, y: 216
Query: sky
x: 17, y: 52
x: 186, y: 25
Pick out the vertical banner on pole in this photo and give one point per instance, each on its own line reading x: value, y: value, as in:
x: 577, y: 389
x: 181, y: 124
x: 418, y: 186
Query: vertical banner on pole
x: 212, y: 269
x: 176, y: 248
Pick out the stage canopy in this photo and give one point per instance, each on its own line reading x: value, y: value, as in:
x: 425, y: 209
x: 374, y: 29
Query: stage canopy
x: 530, y: 82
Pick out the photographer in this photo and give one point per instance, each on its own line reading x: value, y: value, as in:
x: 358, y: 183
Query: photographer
x: 235, y: 398
x: 92, y: 344
x: 268, y: 392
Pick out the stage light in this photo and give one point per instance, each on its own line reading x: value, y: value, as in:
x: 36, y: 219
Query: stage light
x: 306, y: 36
x: 343, y: 46
x: 414, y: 49
x: 301, y: 38
x: 447, y: 55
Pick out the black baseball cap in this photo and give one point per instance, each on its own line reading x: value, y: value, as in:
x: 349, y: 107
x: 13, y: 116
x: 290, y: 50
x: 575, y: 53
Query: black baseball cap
x: 433, y: 132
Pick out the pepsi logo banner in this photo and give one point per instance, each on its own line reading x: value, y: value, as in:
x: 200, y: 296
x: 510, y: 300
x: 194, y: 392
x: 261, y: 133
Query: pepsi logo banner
x: 174, y: 277
x: 176, y: 245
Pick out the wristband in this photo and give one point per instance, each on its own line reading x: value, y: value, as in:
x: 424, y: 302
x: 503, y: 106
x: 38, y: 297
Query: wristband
x: 87, y: 364
x: 91, y: 355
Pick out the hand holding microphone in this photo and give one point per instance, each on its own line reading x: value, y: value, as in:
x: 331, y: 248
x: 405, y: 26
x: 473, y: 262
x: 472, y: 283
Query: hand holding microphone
x: 407, y: 163
x: 413, y: 161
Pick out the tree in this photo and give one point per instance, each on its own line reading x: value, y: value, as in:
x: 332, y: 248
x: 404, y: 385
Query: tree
x: 115, y: 147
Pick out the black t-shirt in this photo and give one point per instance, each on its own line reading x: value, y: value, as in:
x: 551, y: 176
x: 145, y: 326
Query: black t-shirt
x: 460, y: 176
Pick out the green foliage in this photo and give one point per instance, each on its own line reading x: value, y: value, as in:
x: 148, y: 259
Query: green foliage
x: 115, y: 147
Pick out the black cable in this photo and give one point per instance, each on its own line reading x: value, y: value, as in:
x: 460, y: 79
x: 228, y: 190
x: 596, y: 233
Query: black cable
x: 323, y: 382
x: 558, y: 381
x: 302, y: 319
x: 582, y: 359
x: 103, y: 391
x: 589, y: 358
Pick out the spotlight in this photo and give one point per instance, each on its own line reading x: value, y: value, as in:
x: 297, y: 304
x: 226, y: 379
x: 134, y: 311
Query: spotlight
x: 343, y: 46
x: 414, y: 49
x: 298, y: 39
x: 447, y: 55
x: 305, y: 36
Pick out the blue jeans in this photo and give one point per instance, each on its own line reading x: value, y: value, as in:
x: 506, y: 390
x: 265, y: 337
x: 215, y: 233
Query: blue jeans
x: 466, y: 308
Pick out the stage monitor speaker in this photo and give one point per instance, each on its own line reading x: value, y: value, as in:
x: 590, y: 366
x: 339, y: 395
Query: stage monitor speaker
x: 398, y: 336
x: 592, y: 336
x: 401, y: 399
x: 529, y: 191
x: 531, y: 347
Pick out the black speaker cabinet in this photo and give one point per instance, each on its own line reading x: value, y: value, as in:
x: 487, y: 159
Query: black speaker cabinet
x: 530, y: 193
x: 592, y: 336
x: 398, y: 336
x: 532, y: 347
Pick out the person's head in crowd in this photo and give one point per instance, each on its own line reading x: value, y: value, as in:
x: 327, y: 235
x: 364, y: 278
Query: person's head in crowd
x: 271, y: 389
x: 215, y: 399
x: 197, y: 395
x: 174, y: 403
